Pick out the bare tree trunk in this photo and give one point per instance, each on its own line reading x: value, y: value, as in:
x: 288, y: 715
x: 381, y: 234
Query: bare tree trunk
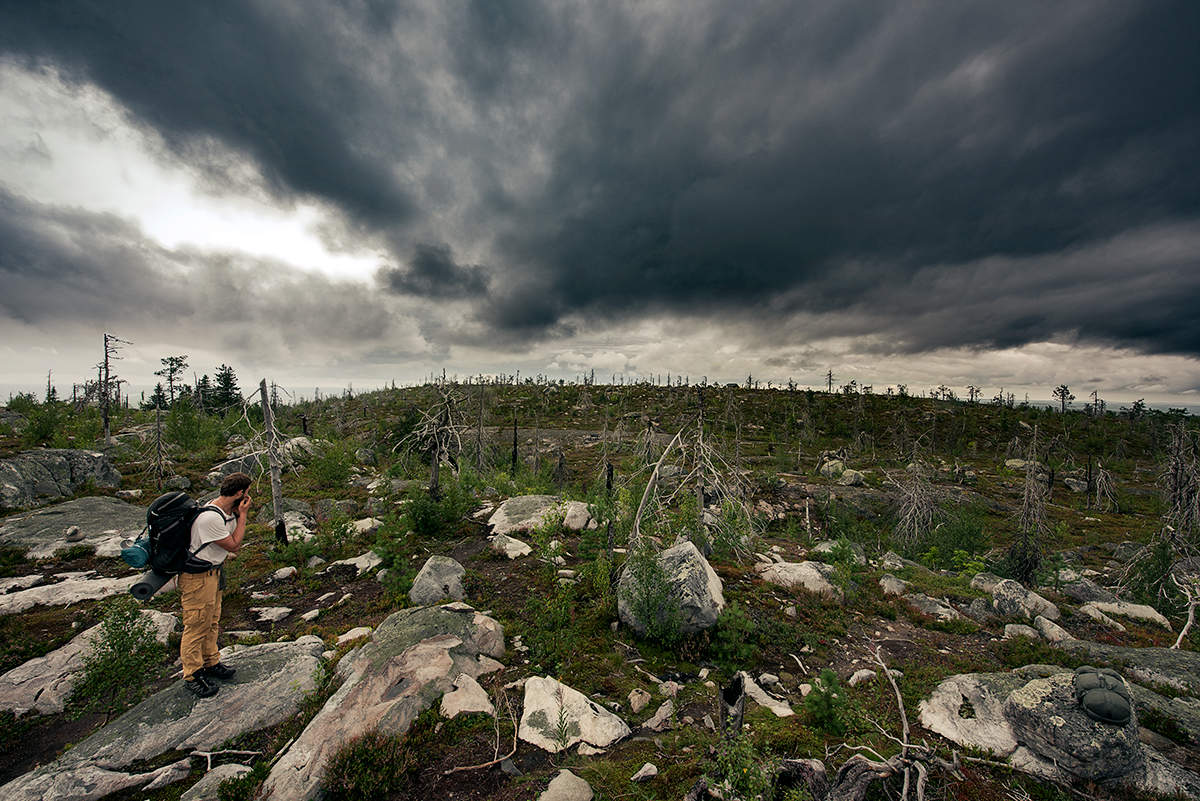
x: 479, y: 435
x: 514, y: 448
x: 159, y: 456
x: 273, y: 460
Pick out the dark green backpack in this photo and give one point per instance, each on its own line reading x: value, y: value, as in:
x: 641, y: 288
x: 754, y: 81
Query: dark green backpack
x: 1103, y: 695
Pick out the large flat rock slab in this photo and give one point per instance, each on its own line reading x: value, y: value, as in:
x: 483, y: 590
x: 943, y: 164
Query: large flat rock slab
x: 272, y: 679
x: 43, y: 684
x: 413, y: 659
x: 65, y: 593
x: 102, y: 521
x: 523, y: 513
x: 47, y: 474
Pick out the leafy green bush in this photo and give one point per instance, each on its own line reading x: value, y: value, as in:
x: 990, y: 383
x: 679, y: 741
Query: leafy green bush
x: 44, y: 424
x: 437, y: 518
x: 741, y: 768
x: 826, y: 704
x: 955, y: 544
x: 122, y: 657
x: 191, y: 429
x: 330, y: 469
x: 552, y: 635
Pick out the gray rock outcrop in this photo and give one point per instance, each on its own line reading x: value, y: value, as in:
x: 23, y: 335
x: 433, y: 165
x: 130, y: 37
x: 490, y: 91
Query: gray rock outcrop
x: 103, y: 523
x: 271, y: 680
x: 1010, y: 599
x: 811, y: 576
x: 693, y: 590
x: 414, y: 658
x: 64, y: 593
x: 209, y: 786
x: 566, y: 786
x: 36, y: 477
x: 522, y: 513
x: 440, y: 579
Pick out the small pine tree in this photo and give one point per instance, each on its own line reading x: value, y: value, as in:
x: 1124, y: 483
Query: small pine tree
x: 226, y: 392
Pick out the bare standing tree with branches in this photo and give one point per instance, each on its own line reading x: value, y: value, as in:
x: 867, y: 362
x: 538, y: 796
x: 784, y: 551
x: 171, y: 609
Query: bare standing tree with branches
x: 439, y: 433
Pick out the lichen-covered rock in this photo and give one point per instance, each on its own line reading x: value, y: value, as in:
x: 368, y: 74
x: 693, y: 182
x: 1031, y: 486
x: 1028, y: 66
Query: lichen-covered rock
x: 1085, y: 590
x: 922, y: 603
x: 1046, y: 719
x: 414, y: 658
x: 510, y: 546
x: 1140, y: 612
x: 693, y: 590
x: 1011, y: 599
x: 271, y: 680
x: 812, y: 576
x: 1051, y: 631
x: 103, y: 523
x: 556, y: 717
x: 35, y: 477
x: 440, y: 578
x: 523, y: 513
x: 892, y: 585
x: 208, y: 787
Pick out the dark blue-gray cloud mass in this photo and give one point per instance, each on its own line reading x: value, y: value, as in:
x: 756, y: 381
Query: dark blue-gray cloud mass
x: 887, y: 163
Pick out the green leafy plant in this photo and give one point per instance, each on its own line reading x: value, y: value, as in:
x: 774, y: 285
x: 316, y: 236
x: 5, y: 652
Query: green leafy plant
x: 733, y: 644
x: 650, y: 597
x: 124, y: 653
x: 741, y: 768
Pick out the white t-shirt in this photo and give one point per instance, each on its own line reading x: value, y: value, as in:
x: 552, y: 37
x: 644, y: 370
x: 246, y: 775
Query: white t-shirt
x: 207, y: 529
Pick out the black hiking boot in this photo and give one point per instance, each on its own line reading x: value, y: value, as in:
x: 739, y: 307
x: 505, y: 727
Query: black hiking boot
x: 217, y: 671
x: 201, y: 687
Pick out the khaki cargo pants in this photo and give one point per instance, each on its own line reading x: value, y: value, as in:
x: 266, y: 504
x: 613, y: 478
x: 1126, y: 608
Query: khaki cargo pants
x: 200, y: 594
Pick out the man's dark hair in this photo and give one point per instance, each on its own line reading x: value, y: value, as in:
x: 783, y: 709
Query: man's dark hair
x: 234, y: 483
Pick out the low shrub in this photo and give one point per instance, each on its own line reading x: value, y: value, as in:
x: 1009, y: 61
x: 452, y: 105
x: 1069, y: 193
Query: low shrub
x: 826, y: 704
x: 122, y: 658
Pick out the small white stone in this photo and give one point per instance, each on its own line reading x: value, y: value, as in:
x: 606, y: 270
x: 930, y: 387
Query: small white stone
x: 645, y: 773
x: 356, y: 633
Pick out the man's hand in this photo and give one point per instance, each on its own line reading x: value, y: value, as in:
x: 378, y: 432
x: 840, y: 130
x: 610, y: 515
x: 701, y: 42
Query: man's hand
x: 244, y: 506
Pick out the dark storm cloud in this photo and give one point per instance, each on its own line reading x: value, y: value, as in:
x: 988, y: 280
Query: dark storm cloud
x: 931, y: 171
x: 63, y: 267
x: 433, y: 273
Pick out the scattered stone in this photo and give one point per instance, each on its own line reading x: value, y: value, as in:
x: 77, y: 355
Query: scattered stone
x: 1127, y: 551
x: 985, y: 582
x: 361, y: 563
x: 1053, y: 632
x: 270, y: 614
x: 1012, y: 630
x: 270, y: 683
x: 1142, y: 612
x: 1085, y: 590
x: 284, y: 573
x: 413, y: 658
x: 1010, y: 599
x: 43, y: 684
x: 310, y: 615
x: 576, y: 516
x: 366, y: 527
x: 566, y: 786
x: 860, y: 676
x: 662, y: 718
x: 833, y: 468
x: 1074, y: 484
x: 73, y: 534
x: 980, y: 611
x: 364, y: 456
x: 583, y: 720
x: 47, y: 474
x: 811, y: 576
x: 100, y: 522
x: 65, y: 593
x: 356, y: 633
x: 586, y: 750
x: 768, y: 680
x: 645, y: 773
x: 892, y: 585
x: 638, y: 698
x: 440, y: 578
x: 468, y: 696
x: 805, y: 689
x: 1087, y: 610
x: 694, y: 590
x: 931, y: 606
x: 760, y: 697
x: 207, y: 788
x: 510, y: 546
x: 851, y: 478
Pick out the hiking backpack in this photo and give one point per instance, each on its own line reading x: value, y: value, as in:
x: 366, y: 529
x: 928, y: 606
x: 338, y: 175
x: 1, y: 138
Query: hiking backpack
x: 169, y: 521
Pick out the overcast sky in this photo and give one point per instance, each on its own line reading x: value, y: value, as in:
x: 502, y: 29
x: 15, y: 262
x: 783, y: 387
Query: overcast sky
x: 1001, y: 194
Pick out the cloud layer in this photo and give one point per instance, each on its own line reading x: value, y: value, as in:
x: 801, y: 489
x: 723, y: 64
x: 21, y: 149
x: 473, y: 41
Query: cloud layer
x: 918, y: 176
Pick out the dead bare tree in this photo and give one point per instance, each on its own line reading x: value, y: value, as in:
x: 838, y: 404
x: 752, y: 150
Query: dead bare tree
x: 1189, y: 587
x: 439, y: 433
x: 918, y: 508
x: 1025, y: 553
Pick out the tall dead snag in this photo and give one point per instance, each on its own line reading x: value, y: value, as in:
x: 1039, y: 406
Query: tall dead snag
x: 274, y: 463
x: 1025, y: 553
x: 112, y: 347
x: 918, y: 504
x: 439, y: 434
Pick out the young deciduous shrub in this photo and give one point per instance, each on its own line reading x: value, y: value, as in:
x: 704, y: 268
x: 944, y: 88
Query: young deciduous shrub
x: 122, y: 657
x: 437, y: 518
x: 742, y: 769
x: 650, y: 596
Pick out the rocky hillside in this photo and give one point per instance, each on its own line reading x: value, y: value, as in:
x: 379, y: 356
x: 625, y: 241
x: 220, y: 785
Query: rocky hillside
x: 618, y: 592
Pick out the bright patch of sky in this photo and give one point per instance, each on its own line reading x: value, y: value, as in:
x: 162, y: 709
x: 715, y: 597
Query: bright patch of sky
x: 74, y: 146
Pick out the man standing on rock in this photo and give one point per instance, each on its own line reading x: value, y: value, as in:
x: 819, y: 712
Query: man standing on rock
x: 216, y: 532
